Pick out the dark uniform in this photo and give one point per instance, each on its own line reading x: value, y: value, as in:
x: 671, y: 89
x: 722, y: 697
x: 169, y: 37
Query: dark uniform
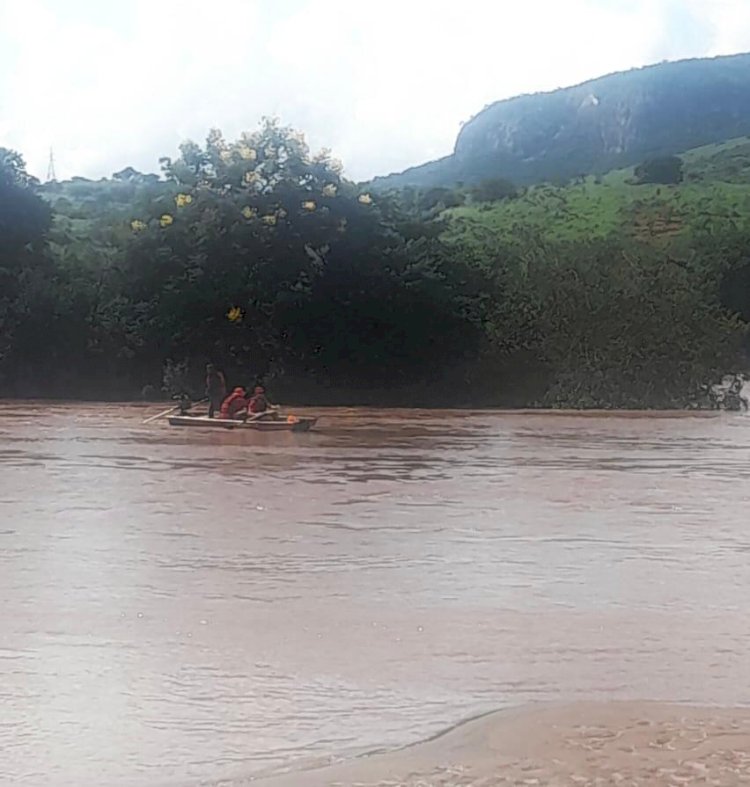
x: 216, y: 389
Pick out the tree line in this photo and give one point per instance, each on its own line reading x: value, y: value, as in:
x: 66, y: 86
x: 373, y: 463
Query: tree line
x: 261, y: 257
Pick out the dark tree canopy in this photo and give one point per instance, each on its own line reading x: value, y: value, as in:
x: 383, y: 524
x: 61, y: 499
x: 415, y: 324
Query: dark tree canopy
x: 494, y: 189
x: 666, y: 170
x: 24, y: 216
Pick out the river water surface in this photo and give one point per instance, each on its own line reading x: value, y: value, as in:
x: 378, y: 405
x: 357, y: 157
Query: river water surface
x: 182, y: 608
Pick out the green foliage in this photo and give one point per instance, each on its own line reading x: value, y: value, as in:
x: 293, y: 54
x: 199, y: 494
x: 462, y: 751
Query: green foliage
x: 49, y: 329
x: 622, y: 327
x: 612, y: 206
x: 24, y: 217
x: 493, y: 190
x: 259, y: 256
x: 440, y: 197
x: 24, y: 223
x: 665, y: 169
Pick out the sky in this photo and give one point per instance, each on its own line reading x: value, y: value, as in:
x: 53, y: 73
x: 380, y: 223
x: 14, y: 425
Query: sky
x: 385, y: 84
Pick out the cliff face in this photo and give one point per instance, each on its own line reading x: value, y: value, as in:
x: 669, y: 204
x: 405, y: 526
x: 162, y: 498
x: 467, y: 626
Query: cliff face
x: 614, y: 121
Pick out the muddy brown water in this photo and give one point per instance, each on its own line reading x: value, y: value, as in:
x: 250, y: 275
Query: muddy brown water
x: 187, y: 608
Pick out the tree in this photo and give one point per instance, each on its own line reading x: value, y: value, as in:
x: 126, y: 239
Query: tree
x: 440, y: 198
x: 493, y: 190
x: 24, y: 216
x: 614, y: 324
x: 261, y: 253
x: 24, y: 222
x: 666, y: 170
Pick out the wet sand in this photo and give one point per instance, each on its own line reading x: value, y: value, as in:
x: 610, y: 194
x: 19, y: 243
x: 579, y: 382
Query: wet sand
x: 616, y: 743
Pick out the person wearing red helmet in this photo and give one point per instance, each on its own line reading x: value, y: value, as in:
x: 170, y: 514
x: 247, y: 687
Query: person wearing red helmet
x: 234, y: 405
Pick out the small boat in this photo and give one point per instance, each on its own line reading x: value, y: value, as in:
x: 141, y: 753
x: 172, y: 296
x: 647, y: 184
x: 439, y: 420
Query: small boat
x: 289, y: 424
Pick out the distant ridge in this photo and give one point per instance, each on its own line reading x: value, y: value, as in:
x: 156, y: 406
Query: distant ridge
x: 612, y: 121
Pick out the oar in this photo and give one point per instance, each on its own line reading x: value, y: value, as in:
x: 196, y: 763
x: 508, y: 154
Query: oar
x: 161, y: 415
x: 170, y: 410
x: 256, y: 416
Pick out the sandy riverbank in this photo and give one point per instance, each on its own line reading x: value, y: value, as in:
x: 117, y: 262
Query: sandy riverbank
x: 619, y: 743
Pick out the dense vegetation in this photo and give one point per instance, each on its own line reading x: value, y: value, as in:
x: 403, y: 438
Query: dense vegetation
x: 261, y: 257
x: 618, y: 120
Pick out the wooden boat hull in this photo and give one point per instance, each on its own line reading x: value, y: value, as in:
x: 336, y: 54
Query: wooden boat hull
x: 261, y: 425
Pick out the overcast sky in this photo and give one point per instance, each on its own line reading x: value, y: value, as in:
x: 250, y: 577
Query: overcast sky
x: 384, y: 84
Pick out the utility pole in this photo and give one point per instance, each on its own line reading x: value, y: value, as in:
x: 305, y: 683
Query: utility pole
x: 51, y: 166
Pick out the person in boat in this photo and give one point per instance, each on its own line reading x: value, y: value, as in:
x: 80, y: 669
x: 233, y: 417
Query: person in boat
x: 235, y: 405
x: 258, y: 406
x: 184, y: 403
x: 216, y: 389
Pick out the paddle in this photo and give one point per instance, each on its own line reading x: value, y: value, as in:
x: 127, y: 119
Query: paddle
x: 256, y: 416
x: 161, y: 415
x: 170, y: 410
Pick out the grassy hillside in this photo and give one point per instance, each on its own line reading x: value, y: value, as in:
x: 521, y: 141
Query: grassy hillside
x: 95, y: 215
x: 715, y: 192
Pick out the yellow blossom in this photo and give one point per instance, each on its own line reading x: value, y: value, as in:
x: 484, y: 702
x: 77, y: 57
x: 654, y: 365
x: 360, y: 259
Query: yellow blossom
x: 365, y: 199
x: 247, y: 153
x: 183, y: 199
x: 248, y: 212
x: 137, y: 225
x: 329, y: 190
x: 309, y: 205
x: 270, y: 220
x: 251, y: 177
x: 234, y: 314
x: 225, y: 156
x: 166, y: 220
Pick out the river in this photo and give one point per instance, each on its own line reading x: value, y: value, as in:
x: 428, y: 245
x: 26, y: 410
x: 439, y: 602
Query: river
x: 182, y: 608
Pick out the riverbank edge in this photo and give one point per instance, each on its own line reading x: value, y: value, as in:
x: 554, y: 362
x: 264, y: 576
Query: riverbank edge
x: 159, y: 404
x: 641, y: 742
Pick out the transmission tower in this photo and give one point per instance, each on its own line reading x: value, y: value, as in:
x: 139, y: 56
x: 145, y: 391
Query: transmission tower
x: 51, y: 166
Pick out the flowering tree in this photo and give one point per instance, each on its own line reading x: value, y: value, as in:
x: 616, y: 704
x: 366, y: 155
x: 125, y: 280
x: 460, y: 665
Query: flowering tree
x: 229, y: 258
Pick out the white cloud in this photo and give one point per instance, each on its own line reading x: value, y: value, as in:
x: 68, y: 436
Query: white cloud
x: 385, y: 85
x: 730, y: 24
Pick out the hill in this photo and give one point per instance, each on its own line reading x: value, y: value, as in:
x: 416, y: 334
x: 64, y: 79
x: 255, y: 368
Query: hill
x: 611, y: 122
x: 715, y: 195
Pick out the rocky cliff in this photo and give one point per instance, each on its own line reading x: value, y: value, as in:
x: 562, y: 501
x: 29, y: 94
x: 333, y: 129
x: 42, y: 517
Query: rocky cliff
x: 613, y: 121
